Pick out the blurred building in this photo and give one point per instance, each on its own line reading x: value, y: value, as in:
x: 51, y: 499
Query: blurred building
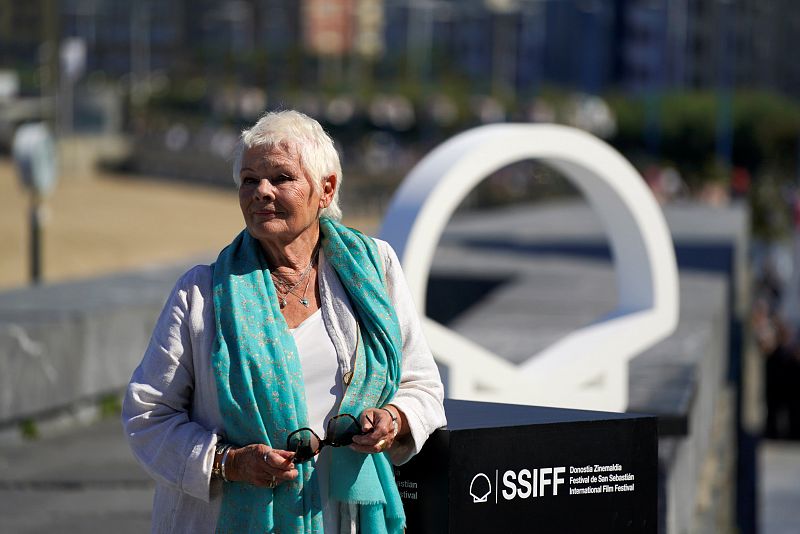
x: 24, y: 26
x: 707, y: 44
x: 506, y: 47
x: 328, y: 27
x: 773, y: 37
x: 124, y: 37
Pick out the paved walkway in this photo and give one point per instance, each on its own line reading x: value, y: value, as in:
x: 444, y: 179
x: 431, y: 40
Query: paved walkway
x: 779, y: 491
x: 82, y: 480
x: 85, y: 480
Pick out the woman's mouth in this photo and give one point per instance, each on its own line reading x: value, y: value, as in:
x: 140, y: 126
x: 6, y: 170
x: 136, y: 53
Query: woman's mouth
x: 266, y: 213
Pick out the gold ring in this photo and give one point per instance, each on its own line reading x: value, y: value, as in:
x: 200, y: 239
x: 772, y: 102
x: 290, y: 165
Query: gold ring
x: 272, y: 483
x: 381, y: 444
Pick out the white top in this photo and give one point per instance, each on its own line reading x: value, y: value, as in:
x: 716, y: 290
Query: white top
x: 324, y: 393
x: 171, y: 415
x: 321, y: 377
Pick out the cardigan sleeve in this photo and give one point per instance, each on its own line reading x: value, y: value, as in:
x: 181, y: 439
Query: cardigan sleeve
x: 173, y: 449
x: 421, y: 393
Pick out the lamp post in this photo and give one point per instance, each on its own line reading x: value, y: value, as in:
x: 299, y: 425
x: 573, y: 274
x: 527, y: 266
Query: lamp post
x: 504, y: 46
x: 419, y: 39
x: 724, y: 127
x: 656, y: 9
x: 35, y: 157
x: 140, y: 52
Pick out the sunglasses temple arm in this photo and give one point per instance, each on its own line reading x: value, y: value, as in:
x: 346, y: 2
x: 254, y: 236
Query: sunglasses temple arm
x: 370, y: 422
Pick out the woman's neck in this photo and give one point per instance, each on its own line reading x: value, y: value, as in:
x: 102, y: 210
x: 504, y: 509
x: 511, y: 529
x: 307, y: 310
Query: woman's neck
x: 292, y: 257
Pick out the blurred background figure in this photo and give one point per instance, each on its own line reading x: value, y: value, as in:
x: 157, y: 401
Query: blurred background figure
x: 782, y: 379
x: 777, y: 341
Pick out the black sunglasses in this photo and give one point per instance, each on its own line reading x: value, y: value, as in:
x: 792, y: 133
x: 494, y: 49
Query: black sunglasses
x: 341, y: 429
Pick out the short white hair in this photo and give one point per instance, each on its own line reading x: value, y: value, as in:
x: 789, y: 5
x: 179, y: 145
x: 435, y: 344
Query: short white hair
x: 292, y: 129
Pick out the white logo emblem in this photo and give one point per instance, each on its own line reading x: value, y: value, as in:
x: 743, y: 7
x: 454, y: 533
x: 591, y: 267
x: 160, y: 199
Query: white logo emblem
x: 479, y: 489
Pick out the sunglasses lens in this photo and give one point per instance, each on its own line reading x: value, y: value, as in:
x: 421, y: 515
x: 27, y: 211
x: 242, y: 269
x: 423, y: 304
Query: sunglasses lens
x: 342, y: 429
x: 304, y: 443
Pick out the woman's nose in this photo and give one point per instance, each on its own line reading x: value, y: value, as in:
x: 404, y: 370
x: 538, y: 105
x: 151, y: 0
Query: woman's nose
x: 265, y: 190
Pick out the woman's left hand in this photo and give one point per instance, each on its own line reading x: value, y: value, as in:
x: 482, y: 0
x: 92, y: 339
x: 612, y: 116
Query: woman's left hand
x: 379, y: 431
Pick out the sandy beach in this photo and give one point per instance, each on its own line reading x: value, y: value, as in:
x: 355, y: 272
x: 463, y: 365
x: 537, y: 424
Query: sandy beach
x: 106, y: 223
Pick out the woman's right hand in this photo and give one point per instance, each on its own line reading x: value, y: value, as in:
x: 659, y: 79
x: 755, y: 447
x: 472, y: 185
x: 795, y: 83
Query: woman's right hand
x: 260, y: 465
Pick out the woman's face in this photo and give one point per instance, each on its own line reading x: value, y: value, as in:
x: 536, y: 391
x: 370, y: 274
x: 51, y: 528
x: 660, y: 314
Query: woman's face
x: 277, y: 196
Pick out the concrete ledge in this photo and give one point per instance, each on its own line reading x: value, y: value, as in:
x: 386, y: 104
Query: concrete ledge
x: 670, y: 379
x: 63, y: 343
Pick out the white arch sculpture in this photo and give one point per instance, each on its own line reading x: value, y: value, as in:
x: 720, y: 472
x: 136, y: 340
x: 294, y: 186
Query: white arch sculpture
x: 589, y: 367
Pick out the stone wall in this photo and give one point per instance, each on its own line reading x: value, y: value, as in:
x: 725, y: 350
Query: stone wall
x: 68, y: 342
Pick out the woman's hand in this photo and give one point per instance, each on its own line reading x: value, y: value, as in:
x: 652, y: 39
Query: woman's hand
x: 380, y: 432
x: 260, y: 465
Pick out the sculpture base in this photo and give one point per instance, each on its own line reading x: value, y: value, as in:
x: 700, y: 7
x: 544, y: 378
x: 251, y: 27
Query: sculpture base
x: 508, y: 468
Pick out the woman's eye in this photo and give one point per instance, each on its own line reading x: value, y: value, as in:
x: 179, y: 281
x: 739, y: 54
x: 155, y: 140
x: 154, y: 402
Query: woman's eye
x: 249, y: 180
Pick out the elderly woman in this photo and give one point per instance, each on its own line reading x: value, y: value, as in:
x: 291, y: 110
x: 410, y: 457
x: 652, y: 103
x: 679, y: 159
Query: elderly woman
x: 283, y: 380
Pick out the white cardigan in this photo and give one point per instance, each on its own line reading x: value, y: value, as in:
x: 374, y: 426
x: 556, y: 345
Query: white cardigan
x: 171, y: 416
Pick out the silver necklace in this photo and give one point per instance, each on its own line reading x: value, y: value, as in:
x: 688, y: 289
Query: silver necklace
x: 284, y: 288
x: 303, y: 299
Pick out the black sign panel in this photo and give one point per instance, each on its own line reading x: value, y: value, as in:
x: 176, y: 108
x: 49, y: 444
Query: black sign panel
x: 539, y: 470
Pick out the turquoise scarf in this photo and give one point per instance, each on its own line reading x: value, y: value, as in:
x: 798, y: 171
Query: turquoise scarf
x: 262, y: 396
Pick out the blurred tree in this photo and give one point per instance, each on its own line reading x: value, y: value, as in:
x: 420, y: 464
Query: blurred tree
x: 766, y: 129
